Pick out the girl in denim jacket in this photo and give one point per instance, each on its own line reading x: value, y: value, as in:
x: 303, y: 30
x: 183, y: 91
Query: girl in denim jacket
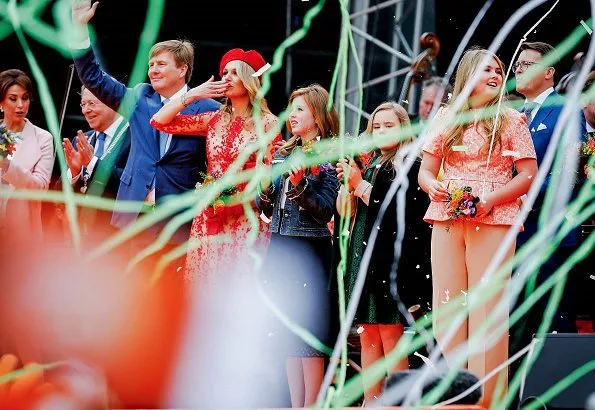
x: 298, y: 262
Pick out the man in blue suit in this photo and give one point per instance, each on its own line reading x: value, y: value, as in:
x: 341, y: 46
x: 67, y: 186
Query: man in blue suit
x: 543, y: 107
x: 159, y: 164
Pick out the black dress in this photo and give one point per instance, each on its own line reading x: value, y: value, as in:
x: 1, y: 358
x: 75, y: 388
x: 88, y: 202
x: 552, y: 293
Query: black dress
x: 414, y: 283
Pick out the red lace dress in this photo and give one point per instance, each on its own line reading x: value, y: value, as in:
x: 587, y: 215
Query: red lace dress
x: 219, y: 245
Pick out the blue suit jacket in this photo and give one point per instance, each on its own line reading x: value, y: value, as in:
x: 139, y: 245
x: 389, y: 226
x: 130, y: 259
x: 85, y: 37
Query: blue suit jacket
x: 542, y: 127
x: 176, y: 172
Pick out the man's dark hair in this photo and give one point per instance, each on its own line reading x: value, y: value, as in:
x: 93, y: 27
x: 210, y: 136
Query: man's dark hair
x: 540, y: 47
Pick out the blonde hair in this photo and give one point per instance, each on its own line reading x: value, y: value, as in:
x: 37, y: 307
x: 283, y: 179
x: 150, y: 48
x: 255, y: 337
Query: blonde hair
x: 469, y: 65
x: 327, y: 121
x: 252, y: 85
x: 404, y: 123
x: 183, y: 52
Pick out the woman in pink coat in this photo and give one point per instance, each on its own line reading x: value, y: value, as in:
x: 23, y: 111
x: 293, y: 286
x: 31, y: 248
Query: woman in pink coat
x: 31, y: 164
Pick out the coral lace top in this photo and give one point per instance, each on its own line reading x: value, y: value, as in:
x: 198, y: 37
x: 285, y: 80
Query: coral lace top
x: 466, y: 166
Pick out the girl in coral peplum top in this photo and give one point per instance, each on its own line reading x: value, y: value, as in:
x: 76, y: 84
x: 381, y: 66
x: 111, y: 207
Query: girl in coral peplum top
x: 463, y: 245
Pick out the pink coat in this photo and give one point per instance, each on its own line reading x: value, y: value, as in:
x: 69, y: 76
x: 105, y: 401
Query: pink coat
x: 30, y: 168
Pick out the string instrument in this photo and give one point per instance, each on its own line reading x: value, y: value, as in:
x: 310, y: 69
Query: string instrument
x: 421, y: 68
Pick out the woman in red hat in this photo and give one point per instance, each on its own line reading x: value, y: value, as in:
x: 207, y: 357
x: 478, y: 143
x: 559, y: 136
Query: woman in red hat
x: 220, y: 234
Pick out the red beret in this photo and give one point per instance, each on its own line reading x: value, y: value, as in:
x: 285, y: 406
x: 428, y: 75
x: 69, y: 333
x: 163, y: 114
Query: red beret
x: 250, y: 57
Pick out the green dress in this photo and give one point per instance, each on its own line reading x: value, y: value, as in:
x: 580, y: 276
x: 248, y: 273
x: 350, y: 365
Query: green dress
x: 371, y: 307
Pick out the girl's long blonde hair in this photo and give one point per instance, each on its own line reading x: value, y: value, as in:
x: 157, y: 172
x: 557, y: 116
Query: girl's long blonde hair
x: 327, y: 122
x: 252, y: 85
x: 469, y: 65
x: 388, y: 157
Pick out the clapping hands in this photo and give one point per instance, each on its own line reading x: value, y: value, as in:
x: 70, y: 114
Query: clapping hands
x: 77, y: 159
x: 350, y: 168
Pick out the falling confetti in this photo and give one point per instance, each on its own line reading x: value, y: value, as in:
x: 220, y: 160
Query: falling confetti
x: 360, y: 330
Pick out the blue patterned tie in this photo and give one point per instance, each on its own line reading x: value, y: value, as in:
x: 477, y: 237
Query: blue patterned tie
x: 163, y: 136
x: 100, y: 145
x: 528, y: 109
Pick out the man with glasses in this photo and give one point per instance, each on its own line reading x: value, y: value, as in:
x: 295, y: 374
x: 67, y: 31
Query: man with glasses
x: 543, y: 106
x: 96, y: 160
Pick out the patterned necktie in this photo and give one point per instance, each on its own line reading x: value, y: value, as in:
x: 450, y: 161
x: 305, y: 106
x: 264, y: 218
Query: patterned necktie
x: 163, y: 136
x: 100, y: 145
x: 528, y: 110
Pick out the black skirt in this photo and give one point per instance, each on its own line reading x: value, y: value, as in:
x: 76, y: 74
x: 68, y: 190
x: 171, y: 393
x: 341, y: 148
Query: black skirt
x: 295, y: 277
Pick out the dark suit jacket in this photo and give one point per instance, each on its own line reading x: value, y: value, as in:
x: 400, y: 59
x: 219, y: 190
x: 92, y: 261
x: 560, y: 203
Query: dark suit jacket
x: 542, y: 127
x: 176, y: 172
x: 105, y: 179
x: 103, y: 182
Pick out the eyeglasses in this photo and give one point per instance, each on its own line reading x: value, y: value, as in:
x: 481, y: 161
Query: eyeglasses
x: 89, y: 104
x: 523, y: 64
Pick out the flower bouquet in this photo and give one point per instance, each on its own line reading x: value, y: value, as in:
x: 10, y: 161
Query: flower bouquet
x: 461, y: 202
x: 586, y: 152
x: 224, y: 197
x: 311, y: 149
x: 8, y: 141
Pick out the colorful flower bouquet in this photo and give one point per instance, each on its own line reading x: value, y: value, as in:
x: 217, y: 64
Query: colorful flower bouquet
x: 586, y: 152
x: 311, y: 149
x: 462, y: 202
x: 224, y: 197
x: 587, y: 149
x: 8, y: 141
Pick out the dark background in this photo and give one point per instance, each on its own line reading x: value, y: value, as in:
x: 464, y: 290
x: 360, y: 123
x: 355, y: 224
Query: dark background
x: 217, y: 26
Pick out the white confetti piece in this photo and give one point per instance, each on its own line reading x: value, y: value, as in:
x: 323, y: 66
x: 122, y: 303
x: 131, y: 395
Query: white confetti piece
x: 460, y: 148
x: 586, y: 27
x: 271, y: 334
x: 360, y: 330
x: 179, y: 269
x: 592, y: 277
x: 509, y: 153
x: 427, y: 276
x: 477, y: 228
x: 417, y: 266
x: 464, y: 294
x: 346, y: 232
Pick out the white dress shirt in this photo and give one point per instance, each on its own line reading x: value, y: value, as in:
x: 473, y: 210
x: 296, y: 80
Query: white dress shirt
x: 150, y: 199
x: 539, y: 100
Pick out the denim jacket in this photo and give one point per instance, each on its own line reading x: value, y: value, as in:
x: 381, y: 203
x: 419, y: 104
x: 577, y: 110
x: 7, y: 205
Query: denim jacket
x: 309, y: 206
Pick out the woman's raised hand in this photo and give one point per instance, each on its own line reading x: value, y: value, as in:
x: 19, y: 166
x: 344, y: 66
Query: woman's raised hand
x: 209, y: 89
